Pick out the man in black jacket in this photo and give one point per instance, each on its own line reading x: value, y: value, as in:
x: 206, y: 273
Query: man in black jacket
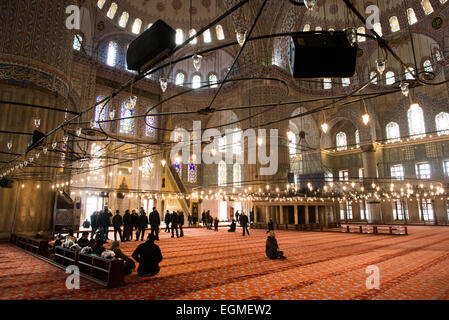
x: 181, y: 223
x: 148, y: 255
x: 94, y: 223
x: 142, y: 225
x: 244, y: 223
x: 103, y: 222
x: 155, y: 221
x: 174, y: 224
x: 117, y: 222
x: 270, y: 225
x: 135, y: 222
x: 127, y: 226
x: 167, y: 221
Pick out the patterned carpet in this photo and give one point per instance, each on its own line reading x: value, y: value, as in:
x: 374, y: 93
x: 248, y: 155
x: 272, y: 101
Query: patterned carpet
x: 210, y: 265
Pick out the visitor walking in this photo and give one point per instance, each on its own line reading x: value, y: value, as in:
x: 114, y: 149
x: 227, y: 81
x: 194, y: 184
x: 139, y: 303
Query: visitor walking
x: 167, y: 221
x: 155, y: 221
x: 117, y: 222
x: 244, y: 223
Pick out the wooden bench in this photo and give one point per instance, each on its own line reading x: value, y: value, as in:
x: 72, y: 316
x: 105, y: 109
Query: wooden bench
x: 375, y: 229
x: 35, y: 246
x: 107, y: 272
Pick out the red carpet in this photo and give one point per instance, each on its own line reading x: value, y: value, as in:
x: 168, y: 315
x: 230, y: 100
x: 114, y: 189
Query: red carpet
x: 210, y: 265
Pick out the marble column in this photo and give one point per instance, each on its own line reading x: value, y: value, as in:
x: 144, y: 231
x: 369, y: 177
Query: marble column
x: 307, y: 215
x: 370, y: 168
x: 296, y: 213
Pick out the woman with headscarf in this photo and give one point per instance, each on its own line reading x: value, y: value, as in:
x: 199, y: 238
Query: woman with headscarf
x: 272, y: 248
x: 129, y: 263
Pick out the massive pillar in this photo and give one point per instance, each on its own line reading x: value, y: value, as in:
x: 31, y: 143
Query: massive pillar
x: 35, y: 64
x: 370, y: 168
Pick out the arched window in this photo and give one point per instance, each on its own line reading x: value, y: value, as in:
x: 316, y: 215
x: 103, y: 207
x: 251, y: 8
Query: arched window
x: 416, y: 124
x: 179, y: 36
x: 236, y: 139
x: 112, y: 54
x: 345, y: 82
x: 291, y: 143
x: 177, y: 164
x: 77, y: 41
x: 436, y: 54
x: 428, y: 66
x: 95, y: 154
x: 123, y: 19
x: 327, y: 83
x: 196, y: 82
x: 178, y: 134
x: 207, y: 36
x: 213, y: 80
x: 112, y: 10
x: 306, y: 28
x: 147, y: 166
x: 427, y: 6
x: 193, y: 173
x: 362, y: 31
x: 442, y: 123
x: 393, y: 133
x: 192, y: 32
x: 408, y: 75
x: 394, y: 24
x: 137, y: 26
x: 150, y: 124
x: 373, y: 77
x: 318, y: 28
x: 411, y: 16
x: 179, y: 79
x: 127, y: 126
x: 220, y: 33
x: 101, y: 112
x: 100, y: 3
x: 378, y: 28
x: 222, y: 174
x: 237, y: 175
x: 357, y: 138
x: 342, y: 143
x: 443, y: 1
x: 390, y: 78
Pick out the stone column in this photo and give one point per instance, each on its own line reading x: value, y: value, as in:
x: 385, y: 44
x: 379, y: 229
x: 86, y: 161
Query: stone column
x: 296, y: 213
x: 267, y: 214
x: 281, y: 215
x: 307, y: 215
x: 370, y: 167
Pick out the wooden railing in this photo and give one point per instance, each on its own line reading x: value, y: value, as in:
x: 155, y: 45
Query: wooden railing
x: 35, y: 246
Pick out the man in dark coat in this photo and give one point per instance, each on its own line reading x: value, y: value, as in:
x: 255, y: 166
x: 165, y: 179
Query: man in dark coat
x: 237, y: 216
x: 203, y: 218
x: 189, y: 218
x: 148, y: 255
x: 272, y: 249
x: 174, y: 224
x: 167, y: 221
x: 127, y: 226
x: 251, y: 218
x: 181, y: 223
x: 232, y: 226
x: 155, y: 221
x: 94, y: 223
x: 142, y: 223
x: 135, y: 222
x: 117, y: 223
x: 103, y: 222
x: 270, y: 225
x: 244, y: 223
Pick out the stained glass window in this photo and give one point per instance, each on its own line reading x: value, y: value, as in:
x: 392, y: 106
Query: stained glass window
x: 306, y: 28
x: 291, y: 143
x: 237, y: 175
x: 192, y: 32
x: 428, y: 66
x: 378, y: 28
x: 345, y: 82
x: 193, y: 173
x: 394, y: 24
x: 147, y: 166
x: 112, y: 10
x: 180, y: 79
x: 220, y: 33
x: 423, y: 170
x: 101, y: 112
x: 357, y: 138
x: 196, y: 82
x: 100, y: 3
x: 63, y: 156
x: 427, y: 6
x: 207, y: 36
x: 416, y: 124
x: 341, y: 141
x: 150, y: 124
x: 327, y: 83
x: 397, y: 172
x: 77, y: 41
x: 373, y: 77
x: 408, y: 75
x: 222, y: 174
x: 393, y: 134
x: 390, y: 78
x: 178, y: 134
x: 127, y: 126
x: 123, y: 19
x: 411, y: 16
x: 425, y: 209
x: 96, y: 153
x: 177, y: 164
x: 179, y: 36
x: 112, y: 53
x: 360, y: 38
x: 442, y: 123
x: 137, y: 26
x: 213, y: 80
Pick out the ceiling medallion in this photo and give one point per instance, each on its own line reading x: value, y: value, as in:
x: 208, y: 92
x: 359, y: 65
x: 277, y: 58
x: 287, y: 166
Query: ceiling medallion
x: 437, y: 23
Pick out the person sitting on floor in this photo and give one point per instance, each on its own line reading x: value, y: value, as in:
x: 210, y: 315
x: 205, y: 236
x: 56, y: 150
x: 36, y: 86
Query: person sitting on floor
x: 216, y: 224
x: 272, y: 248
x: 84, y: 240
x: 98, y: 248
x: 233, y: 225
x: 70, y: 236
x: 129, y: 263
x: 148, y: 255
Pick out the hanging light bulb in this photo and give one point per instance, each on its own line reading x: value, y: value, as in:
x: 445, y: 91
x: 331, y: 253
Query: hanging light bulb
x: 45, y: 150
x: 112, y: 114
x: 197, y: 61
x: 404, y: 88
x: 65, y: 138
x: 381, y: 65
x: 66, y: 115
x: 9, y: 144
x: 365, y: 119
x: 37, y: 122
x: 92, y: 124
x: 79, y: 131
x: 351, y: 34
x: 54, y: 145
x: 163, y: 162
x: 164, y: 83
x: 310, y: 4
x: 241, y: 36
x: 324, y: 127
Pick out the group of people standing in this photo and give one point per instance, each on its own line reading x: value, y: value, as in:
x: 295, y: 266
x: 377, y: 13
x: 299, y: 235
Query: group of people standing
x: 175, y: 220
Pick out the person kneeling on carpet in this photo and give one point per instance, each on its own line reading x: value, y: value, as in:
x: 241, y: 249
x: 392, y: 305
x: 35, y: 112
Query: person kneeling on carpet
x: 148, y: 255
x: 272, y: 248
x: 232, y: 227
x: 129, y: 263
